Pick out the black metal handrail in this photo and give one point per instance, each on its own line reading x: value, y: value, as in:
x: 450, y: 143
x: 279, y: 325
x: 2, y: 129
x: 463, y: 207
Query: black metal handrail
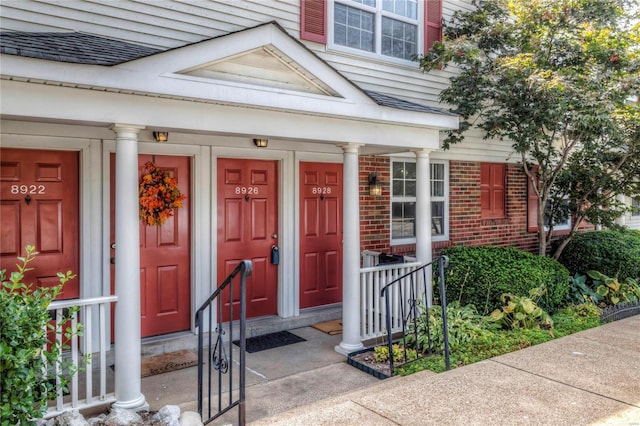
x: 411, y: 313
x: 216, y: 353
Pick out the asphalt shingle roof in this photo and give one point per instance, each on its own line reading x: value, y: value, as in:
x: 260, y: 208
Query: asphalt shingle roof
x: 78, y: 48
x: 390, y: 101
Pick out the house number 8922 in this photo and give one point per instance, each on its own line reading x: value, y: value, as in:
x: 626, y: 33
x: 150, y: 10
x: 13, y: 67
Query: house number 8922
x: 28, y: 189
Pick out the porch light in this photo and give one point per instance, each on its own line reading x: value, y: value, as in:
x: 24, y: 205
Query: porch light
x: 261, y: 143
x: 161, y: 137
x: 375, y: 187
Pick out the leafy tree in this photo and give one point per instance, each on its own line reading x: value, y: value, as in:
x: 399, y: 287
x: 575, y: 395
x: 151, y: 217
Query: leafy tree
x: 557, y: 80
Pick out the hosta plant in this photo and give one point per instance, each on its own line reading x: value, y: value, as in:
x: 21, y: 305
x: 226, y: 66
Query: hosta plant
x: 521, y: 312
x: 612, y: 291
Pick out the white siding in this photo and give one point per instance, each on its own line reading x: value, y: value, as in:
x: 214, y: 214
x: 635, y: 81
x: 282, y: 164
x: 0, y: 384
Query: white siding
x: 169, y: 24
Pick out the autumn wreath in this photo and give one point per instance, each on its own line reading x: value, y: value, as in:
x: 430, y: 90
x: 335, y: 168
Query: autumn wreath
x: 159, y: 195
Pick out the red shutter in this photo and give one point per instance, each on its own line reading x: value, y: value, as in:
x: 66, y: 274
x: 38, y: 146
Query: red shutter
x: 432, y: 22
x: 492, y: 190
x: 313, y: 20
x: 532, y: 207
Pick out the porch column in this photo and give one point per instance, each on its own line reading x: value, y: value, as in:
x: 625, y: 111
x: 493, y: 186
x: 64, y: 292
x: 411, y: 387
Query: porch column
x: 423, y: 214
x: 127, y: 313
x: 622, y: 220
x: 350, y: 253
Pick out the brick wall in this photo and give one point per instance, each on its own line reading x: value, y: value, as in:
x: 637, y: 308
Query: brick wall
x: 466, y: 225
x: 375, y: 211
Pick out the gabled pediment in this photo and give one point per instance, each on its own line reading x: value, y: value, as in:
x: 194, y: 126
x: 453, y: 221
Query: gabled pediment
x: 265, y: 66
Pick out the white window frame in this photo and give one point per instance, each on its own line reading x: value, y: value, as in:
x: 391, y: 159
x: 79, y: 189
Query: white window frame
x: 445, y: 199
x: 378, y: 14
x: 635, y: 203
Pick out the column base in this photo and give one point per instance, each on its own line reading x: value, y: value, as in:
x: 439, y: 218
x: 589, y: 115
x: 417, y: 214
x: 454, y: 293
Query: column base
x: 345, y: 348
x: 138, y: 404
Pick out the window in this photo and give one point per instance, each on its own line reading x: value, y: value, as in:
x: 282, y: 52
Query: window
x: 492, y: 190
x: 403, y: 201
x: 562, y: 221
x: 635, y: 205
x: 385, y: 27
x: 392, y: 28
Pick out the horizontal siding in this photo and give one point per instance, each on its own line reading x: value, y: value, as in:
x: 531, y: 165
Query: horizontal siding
x: 168, y: 24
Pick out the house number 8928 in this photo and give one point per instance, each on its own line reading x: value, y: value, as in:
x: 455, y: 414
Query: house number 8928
x: 321, y: 190
x: 28, y: 189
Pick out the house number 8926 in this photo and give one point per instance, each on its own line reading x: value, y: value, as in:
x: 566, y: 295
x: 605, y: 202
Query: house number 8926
x: 251, y: 190
x: 28, y: 189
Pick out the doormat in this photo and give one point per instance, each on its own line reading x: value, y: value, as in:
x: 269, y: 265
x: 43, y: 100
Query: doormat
x: 270, y: 341
x: 164, y: 363
x: 330, y: 327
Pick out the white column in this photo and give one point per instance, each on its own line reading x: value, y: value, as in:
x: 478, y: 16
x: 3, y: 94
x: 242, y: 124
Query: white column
x: 622, y: 220
x: 127, y: 314
x: 350, y: 253
x: 423, y: 214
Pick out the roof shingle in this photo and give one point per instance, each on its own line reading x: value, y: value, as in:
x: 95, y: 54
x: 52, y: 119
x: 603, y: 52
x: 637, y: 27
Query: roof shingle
x: 73, y: 47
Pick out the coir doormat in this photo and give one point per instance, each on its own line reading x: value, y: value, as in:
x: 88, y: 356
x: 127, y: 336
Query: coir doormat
x: 330, y: 327
x: 270, y: 341
x: 170, y: 361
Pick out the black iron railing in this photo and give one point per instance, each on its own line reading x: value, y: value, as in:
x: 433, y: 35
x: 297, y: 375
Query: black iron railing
x: 220, y: 358
x: 413, y: 307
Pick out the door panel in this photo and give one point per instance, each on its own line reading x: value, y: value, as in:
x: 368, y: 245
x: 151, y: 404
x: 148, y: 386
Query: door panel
x: 40, y: 207
x: 165, y: 257
x: 248, y: 229
x: 321, y: 234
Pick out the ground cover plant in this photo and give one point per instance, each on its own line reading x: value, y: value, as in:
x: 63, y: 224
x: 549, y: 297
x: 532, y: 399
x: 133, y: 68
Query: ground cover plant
x: 494, y: 339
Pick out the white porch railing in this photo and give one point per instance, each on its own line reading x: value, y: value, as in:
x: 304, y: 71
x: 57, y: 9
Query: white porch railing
x: 372, y: 305
x: 92, y: 314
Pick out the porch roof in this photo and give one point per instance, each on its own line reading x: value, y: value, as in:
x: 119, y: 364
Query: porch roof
x: 226, y: 70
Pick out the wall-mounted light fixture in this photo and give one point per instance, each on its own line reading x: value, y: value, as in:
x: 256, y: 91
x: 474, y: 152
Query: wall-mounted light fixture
x: 375, y: 187
x: 261, y: 143
x: 161, y: 136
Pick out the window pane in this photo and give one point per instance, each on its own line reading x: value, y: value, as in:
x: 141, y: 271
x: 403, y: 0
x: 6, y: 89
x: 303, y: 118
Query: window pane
x: 437, y: 171
x: 410, y: 188
x: 353, y: 27
x: 398, y: 188
x: 410, y: 170
x: 398, y: 170
x: 403, y: 37
x: 437, y: 217
x: 437, y: 189
x: 408, y: 8
x: 403, y: 220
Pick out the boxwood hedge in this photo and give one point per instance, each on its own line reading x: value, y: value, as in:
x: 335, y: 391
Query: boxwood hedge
x: 480, y: 275
x: 613, y: 253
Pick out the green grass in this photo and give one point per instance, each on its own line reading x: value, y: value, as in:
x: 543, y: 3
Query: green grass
x: 499, y: 342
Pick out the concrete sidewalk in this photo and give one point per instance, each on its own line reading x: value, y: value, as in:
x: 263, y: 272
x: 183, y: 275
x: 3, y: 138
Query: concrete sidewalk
x: 591, y: 377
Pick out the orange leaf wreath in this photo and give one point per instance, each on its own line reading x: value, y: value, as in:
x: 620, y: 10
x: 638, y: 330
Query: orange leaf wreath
x: 159, y: 195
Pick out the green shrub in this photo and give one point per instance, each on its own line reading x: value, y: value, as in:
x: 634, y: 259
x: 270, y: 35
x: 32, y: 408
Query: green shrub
x: 614, y: 253
x: 481, y: 275
x: 24, y: 354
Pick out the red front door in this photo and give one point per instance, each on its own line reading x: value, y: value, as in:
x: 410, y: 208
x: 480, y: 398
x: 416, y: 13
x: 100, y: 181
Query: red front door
x: 248, y: 228
x: 39, y: 207
x: 321, y: 234
x: 165, y: 256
